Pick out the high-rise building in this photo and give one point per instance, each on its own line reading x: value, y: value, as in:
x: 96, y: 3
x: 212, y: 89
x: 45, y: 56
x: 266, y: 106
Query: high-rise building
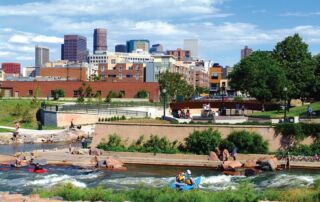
x: 41, y: 56
x: 62, y: 51
x: 11, y: 68
x: 180, y: 54
x: 121, y: 48
x: 133, y: 45
x: 156, y: 48
x: 193, y: 46
x: 74, y: 48
x: 245, y: 52
x: 100, y: 40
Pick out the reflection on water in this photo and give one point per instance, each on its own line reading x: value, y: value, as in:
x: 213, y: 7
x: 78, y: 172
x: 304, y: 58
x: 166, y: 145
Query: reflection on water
x: 21, y: 181
x: 13, y: 148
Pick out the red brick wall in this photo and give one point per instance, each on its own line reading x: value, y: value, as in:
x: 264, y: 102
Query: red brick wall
x: 122, y: 69
x: 69, y: 87
x: 11, y: 68
x: 71, y: 73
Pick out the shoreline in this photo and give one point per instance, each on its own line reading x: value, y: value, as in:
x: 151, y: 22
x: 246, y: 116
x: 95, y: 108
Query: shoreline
x: 64, y: 158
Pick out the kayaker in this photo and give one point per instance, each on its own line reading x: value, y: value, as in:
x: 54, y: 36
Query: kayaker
x: 188, y: 178
x: 180, y: 178
x: 18, y: 162
x: 37, y: 167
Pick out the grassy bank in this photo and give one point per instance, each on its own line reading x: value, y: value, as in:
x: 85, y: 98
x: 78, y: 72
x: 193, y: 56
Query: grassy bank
x: 243, y: 193
x: 294, y: 111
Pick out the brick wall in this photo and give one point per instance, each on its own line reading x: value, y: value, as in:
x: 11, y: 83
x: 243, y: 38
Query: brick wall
x: 130, y: 89
x: 63, y: 72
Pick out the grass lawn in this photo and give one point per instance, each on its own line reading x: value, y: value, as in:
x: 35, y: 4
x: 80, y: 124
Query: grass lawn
x: 4, y: 130
x: 295, y: 111
x: 9, y: 107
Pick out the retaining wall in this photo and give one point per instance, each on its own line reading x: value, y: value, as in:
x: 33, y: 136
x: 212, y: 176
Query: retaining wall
x: 131, y: 132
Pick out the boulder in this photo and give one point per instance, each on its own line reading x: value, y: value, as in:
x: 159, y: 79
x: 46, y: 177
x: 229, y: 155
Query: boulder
x: 113, y: 163
x: 231, y: 165
x: 250, y: 164
x: 268, y: 163
x: 213, y: 156
x: 251, y: 172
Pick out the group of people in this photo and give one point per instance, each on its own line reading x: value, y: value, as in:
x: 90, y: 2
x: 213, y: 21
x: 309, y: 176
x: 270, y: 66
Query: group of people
x: 184, y: 115
x: 185, y: 177
x: 19, y: 162
x: 225, y: 155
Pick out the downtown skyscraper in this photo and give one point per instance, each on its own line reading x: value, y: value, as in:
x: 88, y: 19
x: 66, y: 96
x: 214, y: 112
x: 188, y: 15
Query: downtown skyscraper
x: 74, y: 48
x: 100, y: 40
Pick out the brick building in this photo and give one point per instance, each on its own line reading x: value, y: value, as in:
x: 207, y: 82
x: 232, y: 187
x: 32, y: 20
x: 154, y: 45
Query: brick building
x: 64, y: 73
x: 215, y: 73
x: 122, y: 72
x: 27, y: 88
x: 180, y: 54
x: 11, y: 68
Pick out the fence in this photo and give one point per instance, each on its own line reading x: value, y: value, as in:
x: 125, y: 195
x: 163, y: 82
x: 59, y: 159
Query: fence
x: 96, y: 109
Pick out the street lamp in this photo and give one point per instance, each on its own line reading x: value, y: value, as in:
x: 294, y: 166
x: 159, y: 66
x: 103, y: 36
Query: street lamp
x: 285, y: 89
x: 164, y: 91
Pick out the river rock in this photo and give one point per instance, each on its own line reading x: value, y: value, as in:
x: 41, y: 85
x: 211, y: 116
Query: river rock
x: 113, y: 163
x: 213, y: 156
x: 268, y: 163
x: 231, y: 165
x: 250, y: 164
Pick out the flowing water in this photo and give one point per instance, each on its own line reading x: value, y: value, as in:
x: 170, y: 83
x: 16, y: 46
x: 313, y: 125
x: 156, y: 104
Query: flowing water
x: 22, y: 181
x: 19, y: 180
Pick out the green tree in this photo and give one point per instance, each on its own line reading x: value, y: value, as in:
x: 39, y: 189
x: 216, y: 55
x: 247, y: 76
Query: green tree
x: 295, y: 59
x: 200, y: 90
x: 202, y: 142
x: 142, y: 94
x: 315, y: 93
x: 57, y: 93
x: 259, y: 75
x: 175, y: 85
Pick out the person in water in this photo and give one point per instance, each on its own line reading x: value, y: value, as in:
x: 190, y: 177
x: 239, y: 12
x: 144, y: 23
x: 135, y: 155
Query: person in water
x: 188, y: 178
x: 37, y: 167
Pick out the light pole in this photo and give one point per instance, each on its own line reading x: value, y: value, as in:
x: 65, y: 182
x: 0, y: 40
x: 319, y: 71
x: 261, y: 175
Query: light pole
x: 164, y: 91
x: 285, y: 89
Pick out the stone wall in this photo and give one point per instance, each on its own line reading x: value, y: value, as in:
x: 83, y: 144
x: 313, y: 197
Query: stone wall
x: 131, y: 132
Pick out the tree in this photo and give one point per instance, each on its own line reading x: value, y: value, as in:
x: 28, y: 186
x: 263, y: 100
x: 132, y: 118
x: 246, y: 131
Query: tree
x: 57, y: 93
x: 259, y: 75
x: 315, y: 93
x: 296, y: 61
x: 200, y: 90
x: 142, y: 94
x: 175, y: 85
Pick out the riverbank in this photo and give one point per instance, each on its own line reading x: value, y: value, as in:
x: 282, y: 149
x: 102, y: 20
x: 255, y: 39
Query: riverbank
x: 64, y: 158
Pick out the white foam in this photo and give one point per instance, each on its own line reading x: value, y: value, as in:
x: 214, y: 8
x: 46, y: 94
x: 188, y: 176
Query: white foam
x: 288, y: 180
x: 50, y: 180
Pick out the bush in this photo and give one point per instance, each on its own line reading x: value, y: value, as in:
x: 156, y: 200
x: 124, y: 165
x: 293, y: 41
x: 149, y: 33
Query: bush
x: 142, y: 94
x: 202, y: 142
x: 114, y: 144
x: 225, y: 144
x: 248, y: 142
x: 26, y: 116
x: 159, y: 145
x: 57, y: 93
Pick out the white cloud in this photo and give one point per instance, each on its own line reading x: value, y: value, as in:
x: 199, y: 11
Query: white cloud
x: 300, y: 14
x: 18, y: 38
x: 47, y: 39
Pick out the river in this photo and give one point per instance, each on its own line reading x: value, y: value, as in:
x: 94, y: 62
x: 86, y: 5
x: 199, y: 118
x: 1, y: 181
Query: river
x: 21, y: 181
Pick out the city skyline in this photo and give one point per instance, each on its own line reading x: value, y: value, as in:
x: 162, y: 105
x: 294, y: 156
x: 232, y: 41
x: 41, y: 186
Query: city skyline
x: 223, y: 27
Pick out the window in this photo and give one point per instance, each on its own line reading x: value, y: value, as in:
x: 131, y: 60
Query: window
x: 137, y: 76
x: 120, y: 67
x: 214, y: 76
x: 131, y: 68
x: 75, y: 93
x: 112, y: 76
x: 114, y: 68
x: 52, y: 93
x: 137, y: 67
x: 113, y: 61
x: 98, y: 93
x: 30, y: 92
x: 129, y: 76
x: 120, y: 76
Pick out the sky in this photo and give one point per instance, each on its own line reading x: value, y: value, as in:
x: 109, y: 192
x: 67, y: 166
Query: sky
x: 223, y: 27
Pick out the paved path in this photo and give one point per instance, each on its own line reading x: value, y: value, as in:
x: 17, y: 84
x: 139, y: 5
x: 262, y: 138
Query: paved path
x: 33, y: 131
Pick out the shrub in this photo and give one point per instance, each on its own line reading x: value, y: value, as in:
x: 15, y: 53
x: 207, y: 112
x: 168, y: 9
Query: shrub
x: 57, y: 93
x: 142, y: 94
x: 248, y: 142
x: 225, y: 144
x: 114, y: 144
x: 26, y: 116
x: 291, y: 130
x: 159, y: 145
x: 202, y: 142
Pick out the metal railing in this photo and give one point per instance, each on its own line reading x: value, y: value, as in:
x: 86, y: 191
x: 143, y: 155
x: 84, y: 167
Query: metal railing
x: 96, y: 109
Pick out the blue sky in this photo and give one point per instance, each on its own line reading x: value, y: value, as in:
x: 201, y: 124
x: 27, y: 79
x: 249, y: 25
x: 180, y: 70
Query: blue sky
x: 222, y: 26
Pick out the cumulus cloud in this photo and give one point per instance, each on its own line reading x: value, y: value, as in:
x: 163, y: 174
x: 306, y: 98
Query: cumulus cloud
x: 18, y: 38
x: 47, y: 39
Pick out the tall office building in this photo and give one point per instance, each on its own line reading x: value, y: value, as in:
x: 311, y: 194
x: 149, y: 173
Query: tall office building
x: 245, y: 52
x: 191, y: 45
x: 100, y: 40
x: 74, y: 48
x: 120, y: 48
x: 142, y: 44
x: 41, y: 56
x: 156, y: 48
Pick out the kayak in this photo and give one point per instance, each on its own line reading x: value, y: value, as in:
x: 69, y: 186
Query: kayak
x: 37, y: 171
x: 184, y: 186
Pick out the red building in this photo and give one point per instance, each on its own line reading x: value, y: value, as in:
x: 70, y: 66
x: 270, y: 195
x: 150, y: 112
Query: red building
x: 11, y: 67
x: 180, y: 54
x: 46, y: 88
x: 122, y: 72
